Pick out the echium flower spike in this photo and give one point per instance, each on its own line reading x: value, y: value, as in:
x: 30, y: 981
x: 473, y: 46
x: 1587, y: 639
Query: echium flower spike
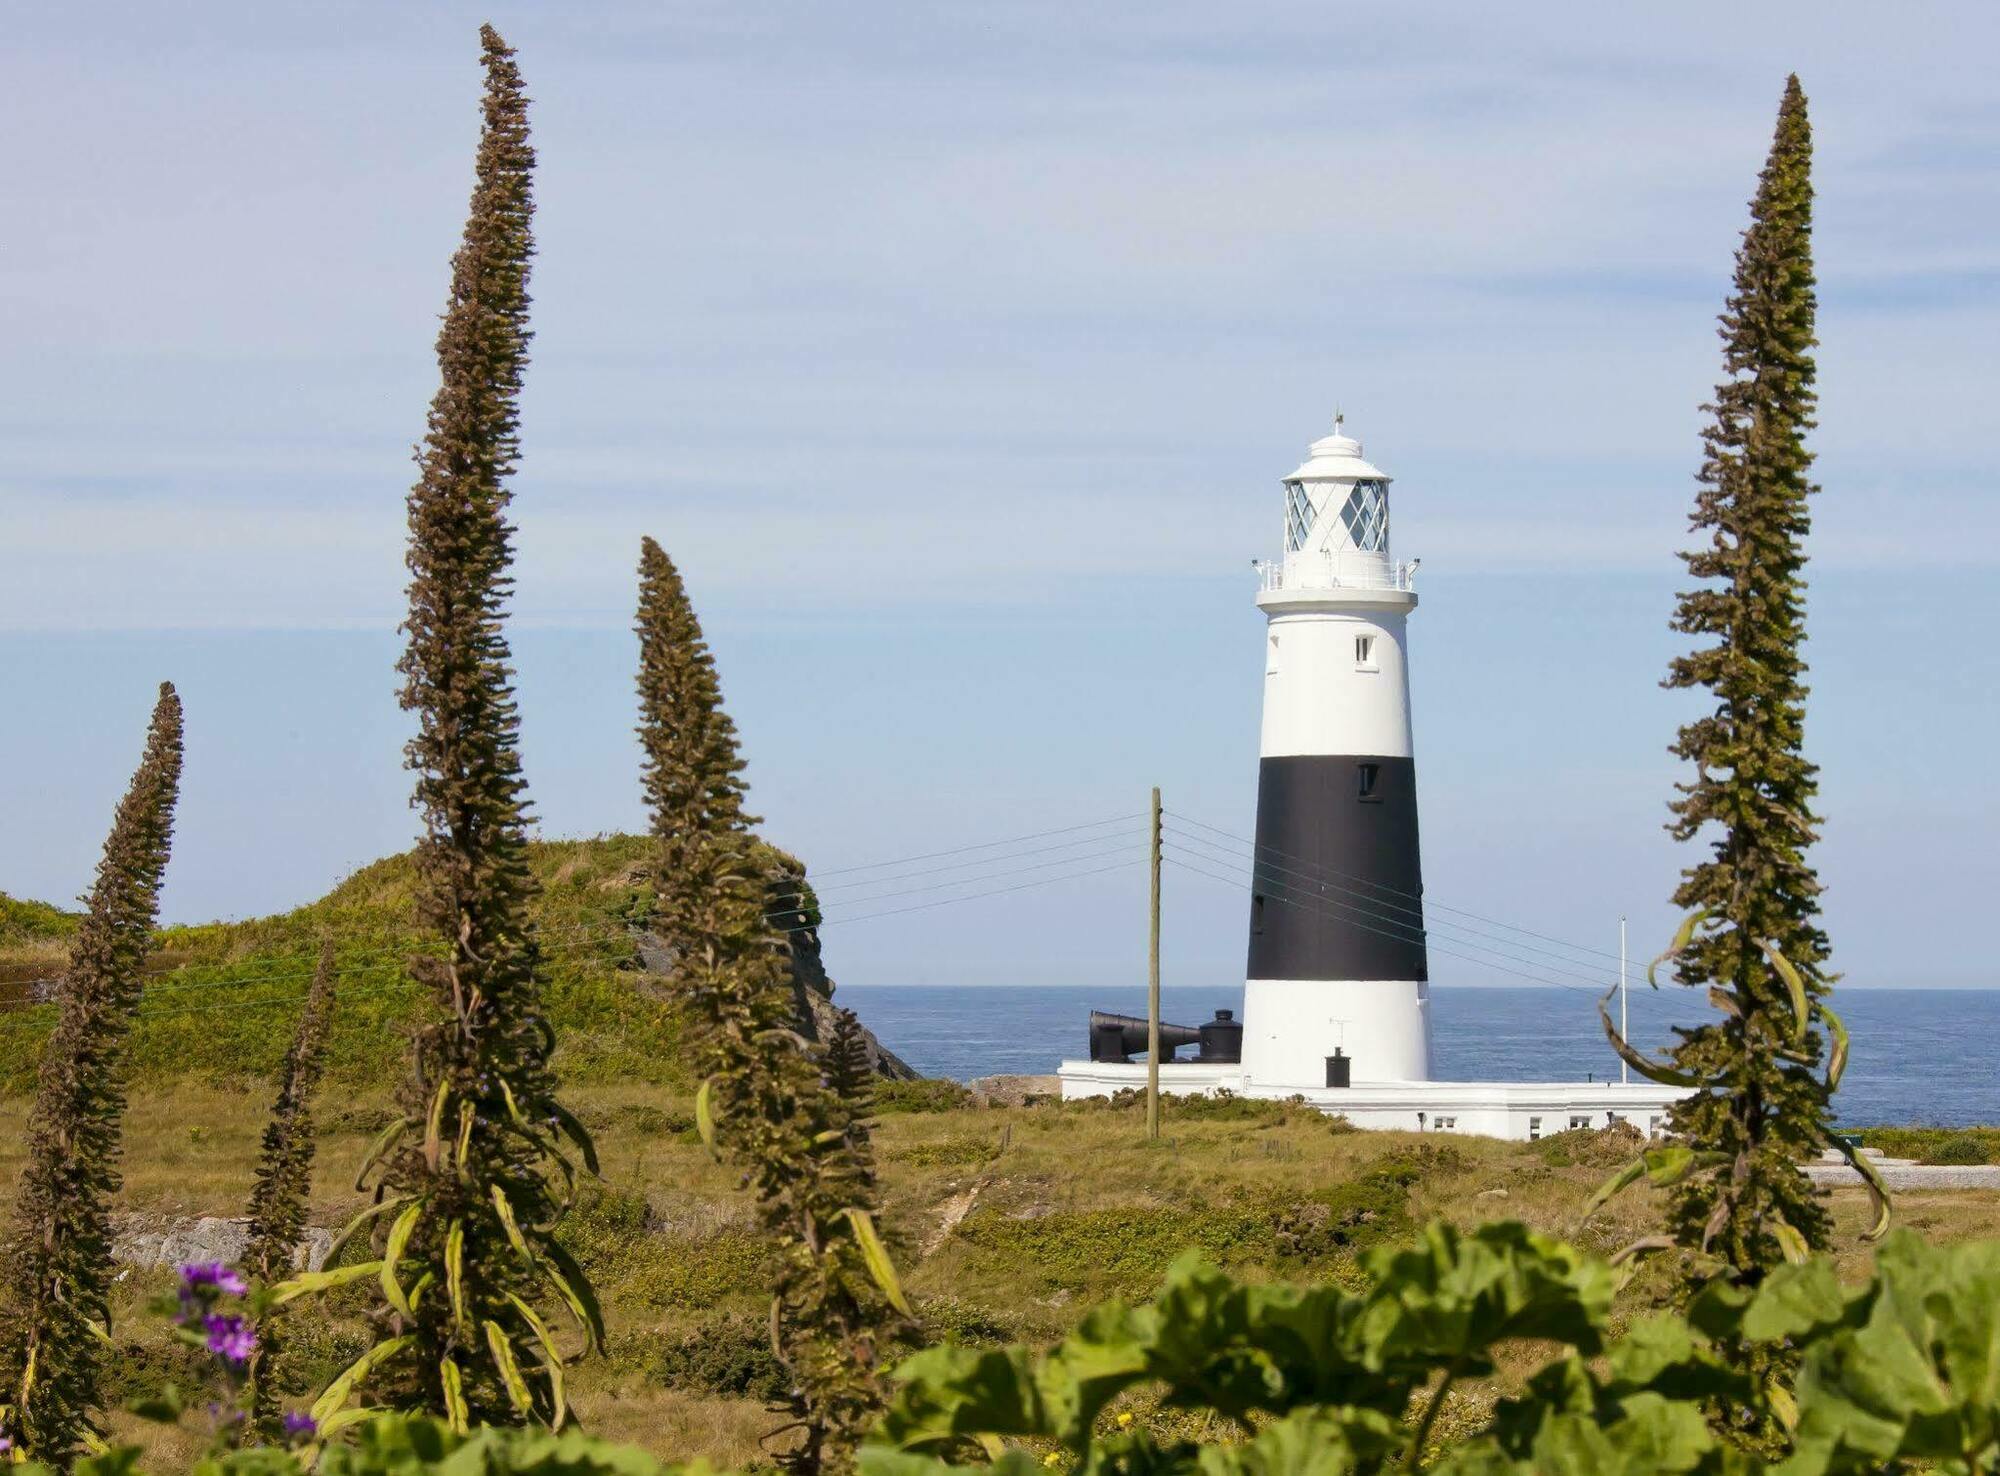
x: 55, y: 1267
x: 477, y: 1167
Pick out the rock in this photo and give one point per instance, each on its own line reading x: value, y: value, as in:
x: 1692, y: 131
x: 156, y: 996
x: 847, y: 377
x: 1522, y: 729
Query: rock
x: 951, y: 1214
x: 1491, y: 1194
x: 813, y: 1009
x: 1014, y: 1091
x: 136, y: 1242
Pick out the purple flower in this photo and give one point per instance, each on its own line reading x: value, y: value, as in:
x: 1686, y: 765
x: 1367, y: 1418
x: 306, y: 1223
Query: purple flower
x: 6, y: 1444
x: 299, y: 1425
x: 200, y: 1274
x: 230, y: 1338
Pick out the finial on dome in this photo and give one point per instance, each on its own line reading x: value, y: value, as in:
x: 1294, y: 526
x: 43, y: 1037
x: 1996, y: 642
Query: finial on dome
x: 1338, y: 420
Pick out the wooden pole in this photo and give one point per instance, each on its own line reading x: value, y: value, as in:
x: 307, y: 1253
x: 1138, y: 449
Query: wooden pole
x: 1153, y: 987
x: 1624, y: 1018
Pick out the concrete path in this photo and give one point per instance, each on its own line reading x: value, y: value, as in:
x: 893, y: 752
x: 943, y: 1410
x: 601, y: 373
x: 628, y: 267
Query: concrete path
x: 1905, y: 1173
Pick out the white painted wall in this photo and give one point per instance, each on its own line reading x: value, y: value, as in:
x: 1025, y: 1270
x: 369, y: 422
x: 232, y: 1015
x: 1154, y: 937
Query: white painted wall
x: 1318, y: 699
x: 1290, y: 1027
x: 1504, y: 1109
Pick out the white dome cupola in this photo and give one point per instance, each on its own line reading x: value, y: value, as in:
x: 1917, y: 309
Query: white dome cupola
x: 1336, y: 520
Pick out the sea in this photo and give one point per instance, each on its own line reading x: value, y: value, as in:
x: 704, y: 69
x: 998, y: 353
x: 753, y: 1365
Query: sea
x: 1920, y: 1057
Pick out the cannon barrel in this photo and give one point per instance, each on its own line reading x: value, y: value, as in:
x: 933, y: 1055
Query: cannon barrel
x: 1125, y: 1034
x: 1116, y: 1037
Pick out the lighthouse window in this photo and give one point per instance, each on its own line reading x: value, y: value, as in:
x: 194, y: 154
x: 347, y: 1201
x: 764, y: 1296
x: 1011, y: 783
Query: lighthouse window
x: 1366, y: 516
x: 1370, y: 778
x: 1298, y: 516
x: 1364, y: 652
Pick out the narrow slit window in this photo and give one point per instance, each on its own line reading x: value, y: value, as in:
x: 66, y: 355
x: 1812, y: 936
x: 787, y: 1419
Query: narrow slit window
x: 1368, y: 781
x: 1364, y: 652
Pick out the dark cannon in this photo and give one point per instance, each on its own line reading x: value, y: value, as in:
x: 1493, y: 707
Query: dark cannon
x: 1119, y: 1037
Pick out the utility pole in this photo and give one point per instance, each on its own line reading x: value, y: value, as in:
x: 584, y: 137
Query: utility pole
x: 1153, y: 987
x: 1624, y: 1018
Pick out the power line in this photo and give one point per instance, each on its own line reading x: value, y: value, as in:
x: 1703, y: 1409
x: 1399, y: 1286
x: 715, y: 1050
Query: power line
x: 606, y: 949
x: 1425, y: 899
x: 1499, y: 946
x: 1311, y: 908
x: 984, y: 845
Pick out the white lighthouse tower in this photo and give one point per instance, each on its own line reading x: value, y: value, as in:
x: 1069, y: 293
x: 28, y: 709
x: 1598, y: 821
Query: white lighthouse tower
x: 1336, y: 996
x: 1337, y: 987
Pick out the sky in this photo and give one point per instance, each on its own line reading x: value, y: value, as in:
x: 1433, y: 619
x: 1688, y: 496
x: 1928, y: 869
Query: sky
x: 955, y: 353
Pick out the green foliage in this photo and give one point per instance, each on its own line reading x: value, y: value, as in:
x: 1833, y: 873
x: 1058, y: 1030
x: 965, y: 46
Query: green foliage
x: 955, y: 1151
x: 472, y: 1179
x: 26, y: 921
x: 923, y: 1094
x: 283, y: 1191
x: 793, y: 1119
x: 1322, y: 1380
x: 728, y: 1356
x: 1937, y: 1145
x: 55, y: 1271
x: 1760, y: 1102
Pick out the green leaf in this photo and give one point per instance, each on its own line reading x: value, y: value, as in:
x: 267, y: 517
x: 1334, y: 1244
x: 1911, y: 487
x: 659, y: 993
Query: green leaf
x: 1627, y: 1176
x: 311, y: 1283
x: 348, y: 1231
x: 552, y: 1363
x: 335, y: 1394
x: 575, y: 1290
x: 577, y: 1133
x: 454, y: 1268
x: 876, y: 1254
x: 704, y: 1116
x: 384, y: 1141
x: 502, y: 1349
x: 1650, y: 1069
x: 1790, y: 1242
x: 1794, y: 985
x: 1836, y: 1061
x: 434, y: 1126
x: 1683, y: 935
x: 1878, y: 1192
x: 505, y: 1209
x: 454, y: 1395
x: 399, y: 1240
x: 1794, y: 1302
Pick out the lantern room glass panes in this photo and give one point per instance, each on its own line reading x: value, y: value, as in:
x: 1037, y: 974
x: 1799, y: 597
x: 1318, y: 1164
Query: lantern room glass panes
x: 1298, y: 516
x: 1365, y: 514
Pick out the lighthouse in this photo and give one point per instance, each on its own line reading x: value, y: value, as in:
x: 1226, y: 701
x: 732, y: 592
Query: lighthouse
x: 1337, y: 985
x: 1336, y: 993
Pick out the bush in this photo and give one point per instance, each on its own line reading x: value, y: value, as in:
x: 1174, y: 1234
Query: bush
x: 925, y: 1094
x: 726, y: 1356
x: 1960, y: 1148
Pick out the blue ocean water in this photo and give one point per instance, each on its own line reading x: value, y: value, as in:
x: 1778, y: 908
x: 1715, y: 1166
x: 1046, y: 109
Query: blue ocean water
x: 1920, y: 1056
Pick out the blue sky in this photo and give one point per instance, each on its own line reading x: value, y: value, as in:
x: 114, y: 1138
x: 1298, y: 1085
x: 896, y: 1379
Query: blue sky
x: 955, y: 352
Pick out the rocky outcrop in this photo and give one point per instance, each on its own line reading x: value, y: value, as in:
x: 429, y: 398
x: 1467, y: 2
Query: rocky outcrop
x: 794, y: 907
x: 139, y: 1241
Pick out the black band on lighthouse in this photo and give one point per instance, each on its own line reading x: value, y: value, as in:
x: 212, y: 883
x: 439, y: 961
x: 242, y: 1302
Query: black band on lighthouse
x: 1337, y: 882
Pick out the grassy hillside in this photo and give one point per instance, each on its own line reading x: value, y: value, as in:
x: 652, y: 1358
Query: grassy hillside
x: 222, y: 1006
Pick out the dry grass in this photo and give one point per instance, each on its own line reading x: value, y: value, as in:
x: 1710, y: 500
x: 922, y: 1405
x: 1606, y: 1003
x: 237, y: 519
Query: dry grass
x: 1007, y: 1221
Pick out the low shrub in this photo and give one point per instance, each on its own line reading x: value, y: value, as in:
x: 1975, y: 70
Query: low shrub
x: 727, y: 1356
x: 925, y: 1094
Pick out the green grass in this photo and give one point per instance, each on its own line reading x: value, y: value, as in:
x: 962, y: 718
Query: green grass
x: 222, y: 1007
x: 1936, y: 1145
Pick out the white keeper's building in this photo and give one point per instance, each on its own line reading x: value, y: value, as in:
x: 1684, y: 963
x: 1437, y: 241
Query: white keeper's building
x: 1336, y: 999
